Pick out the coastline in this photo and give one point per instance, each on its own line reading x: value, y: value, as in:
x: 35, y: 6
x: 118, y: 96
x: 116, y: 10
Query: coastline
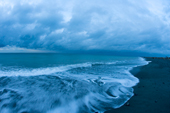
x: 152, y: 93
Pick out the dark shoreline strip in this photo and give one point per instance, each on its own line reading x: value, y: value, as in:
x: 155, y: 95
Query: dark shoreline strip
x: 152, y: 94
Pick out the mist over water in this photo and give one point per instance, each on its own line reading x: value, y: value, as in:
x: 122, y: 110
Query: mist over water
x: 51, y: 83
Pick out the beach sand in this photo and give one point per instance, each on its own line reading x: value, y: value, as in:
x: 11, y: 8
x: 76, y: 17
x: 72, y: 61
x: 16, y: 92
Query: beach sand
x: 152, y: 94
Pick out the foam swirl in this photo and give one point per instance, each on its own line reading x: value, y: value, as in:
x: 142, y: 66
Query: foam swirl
x: 77, y: 88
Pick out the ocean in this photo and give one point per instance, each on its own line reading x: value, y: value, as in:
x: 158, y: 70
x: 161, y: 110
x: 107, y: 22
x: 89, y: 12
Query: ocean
x: 65, y: 83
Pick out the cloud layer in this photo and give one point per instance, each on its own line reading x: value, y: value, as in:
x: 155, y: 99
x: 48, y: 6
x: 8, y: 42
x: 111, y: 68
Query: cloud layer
x: 14, y: 49
x: 78, y: 25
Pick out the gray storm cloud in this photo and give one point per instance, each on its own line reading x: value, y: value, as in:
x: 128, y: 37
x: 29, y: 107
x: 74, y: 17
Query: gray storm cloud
x: 77, y: 25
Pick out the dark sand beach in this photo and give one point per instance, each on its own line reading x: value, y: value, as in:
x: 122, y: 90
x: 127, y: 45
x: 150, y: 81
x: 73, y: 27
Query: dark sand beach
x: 152, y: 94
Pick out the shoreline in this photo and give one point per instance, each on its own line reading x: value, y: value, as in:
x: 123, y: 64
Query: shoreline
x: 152, y: 93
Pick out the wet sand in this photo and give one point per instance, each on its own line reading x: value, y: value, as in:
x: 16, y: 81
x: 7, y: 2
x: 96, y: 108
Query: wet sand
x: 152, y: 94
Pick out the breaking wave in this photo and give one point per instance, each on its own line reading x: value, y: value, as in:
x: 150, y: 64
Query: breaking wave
x: 77, y: 88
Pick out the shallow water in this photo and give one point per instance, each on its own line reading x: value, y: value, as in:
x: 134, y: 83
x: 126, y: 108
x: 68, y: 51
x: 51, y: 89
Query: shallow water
x: 55, y: 83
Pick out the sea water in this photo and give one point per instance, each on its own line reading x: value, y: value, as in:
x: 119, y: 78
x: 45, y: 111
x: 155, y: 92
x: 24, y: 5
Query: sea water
x: 65, y: 83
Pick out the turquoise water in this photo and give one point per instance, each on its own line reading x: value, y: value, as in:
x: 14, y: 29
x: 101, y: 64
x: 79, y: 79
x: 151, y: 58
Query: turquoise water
x: 36, y: 60
x: 62, y: 83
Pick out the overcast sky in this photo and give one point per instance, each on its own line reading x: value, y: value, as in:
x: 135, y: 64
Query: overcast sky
x: 86, y: 25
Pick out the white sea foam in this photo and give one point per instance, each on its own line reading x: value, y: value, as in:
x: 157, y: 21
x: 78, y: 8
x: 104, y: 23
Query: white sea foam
x: 52, y: 70
x: 86, y: 87
x: 47, y: 70
x: 41, y: 71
